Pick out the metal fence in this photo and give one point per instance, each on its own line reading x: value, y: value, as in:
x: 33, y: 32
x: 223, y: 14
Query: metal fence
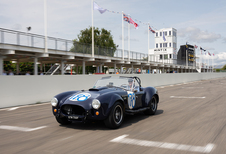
x: 38, y: 41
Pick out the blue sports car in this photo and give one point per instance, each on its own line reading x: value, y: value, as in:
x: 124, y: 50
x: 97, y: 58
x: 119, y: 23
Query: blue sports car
x: 109, y: 100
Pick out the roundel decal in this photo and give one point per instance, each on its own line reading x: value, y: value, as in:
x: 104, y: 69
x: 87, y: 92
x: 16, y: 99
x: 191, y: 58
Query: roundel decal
x: 131, y: 99
x: 80, y: 97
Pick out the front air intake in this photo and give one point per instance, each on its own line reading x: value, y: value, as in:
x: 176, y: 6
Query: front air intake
x: 72, y: 110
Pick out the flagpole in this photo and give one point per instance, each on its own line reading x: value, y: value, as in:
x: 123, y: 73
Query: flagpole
x: 163, y: 52
x: 92, y: 30
x: 122, y: 37
x: 148, y: 42
x: 194, y: 59
x: 129, y: 36
x: 200, y: 61
x: 208, y: 62
x: 212, y: 64
x: 45, y: 25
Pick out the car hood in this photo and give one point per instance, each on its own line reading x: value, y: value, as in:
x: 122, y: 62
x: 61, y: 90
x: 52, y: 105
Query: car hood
x: 81, y: 97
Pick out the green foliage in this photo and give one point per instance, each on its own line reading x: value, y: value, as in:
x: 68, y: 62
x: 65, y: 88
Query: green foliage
x: 103, y: 41
x: 224, y: 67
x: 8, y: 65
x: 23, y: 67
x: 218, y: 70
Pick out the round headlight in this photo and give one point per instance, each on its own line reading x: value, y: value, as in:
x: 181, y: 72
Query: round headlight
x: 54, y: 101
x: 96, y: 104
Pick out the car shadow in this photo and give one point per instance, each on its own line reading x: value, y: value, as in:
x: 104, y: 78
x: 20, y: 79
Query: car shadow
x: 99, y: 125
x: 132, y: 119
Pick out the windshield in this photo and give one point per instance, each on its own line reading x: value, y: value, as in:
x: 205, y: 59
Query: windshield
x: 122, y: 82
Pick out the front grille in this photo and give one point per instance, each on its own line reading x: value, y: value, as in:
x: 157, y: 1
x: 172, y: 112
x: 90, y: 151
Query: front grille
x: 72, y: 110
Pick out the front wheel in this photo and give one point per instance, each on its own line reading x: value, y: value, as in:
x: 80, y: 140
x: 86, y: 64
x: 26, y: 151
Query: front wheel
x: 153, y: 106
x: 116, y: 116
x: 63, y: 120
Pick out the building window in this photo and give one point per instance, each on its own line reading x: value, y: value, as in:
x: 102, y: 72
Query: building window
x: 169, y: 44
x: 160, y: 33
x: 169, y: 33
x: 156, y: 45
x: 174, y: 34
x: 164, y: 44
x: 166, y: 33
x: 165, y: 56
x: 170, y: 56
x: 160, y: 57
x: 174, y: 45
x: 156, y: 34
x: 160, y: 45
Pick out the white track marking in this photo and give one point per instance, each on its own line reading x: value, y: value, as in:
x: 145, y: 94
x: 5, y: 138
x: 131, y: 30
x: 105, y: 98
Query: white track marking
x: 66, y: 138
x: 192, y: 87
x: 185, y: 97
x: 14, y: 108
x: 30, y: 105
x: 161, y: 87
x: 202, y: 149
x: 23, y: 129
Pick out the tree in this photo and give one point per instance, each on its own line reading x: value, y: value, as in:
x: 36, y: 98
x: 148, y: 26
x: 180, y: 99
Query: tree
x: 103, y: 41
x: 224, y: 67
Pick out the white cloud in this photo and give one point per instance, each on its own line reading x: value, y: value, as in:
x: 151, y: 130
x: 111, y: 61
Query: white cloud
x: 224, y: 40
x: 196, y: 35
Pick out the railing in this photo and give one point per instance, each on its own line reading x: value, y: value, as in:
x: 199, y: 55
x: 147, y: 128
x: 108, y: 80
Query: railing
x: 38, y: 41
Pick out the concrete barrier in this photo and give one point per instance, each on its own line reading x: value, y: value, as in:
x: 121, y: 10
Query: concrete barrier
x: 22, y: 90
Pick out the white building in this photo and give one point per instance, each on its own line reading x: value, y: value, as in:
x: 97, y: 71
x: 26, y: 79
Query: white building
x: 165, y: 46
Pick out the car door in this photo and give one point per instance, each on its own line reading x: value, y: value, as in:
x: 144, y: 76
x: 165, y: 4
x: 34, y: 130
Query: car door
x: 135, y: 96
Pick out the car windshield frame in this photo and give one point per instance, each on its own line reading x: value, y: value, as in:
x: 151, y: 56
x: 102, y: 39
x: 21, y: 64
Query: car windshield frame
x: 120, y: 82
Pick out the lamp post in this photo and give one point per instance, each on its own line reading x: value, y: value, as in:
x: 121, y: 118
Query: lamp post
x: 28, y: 29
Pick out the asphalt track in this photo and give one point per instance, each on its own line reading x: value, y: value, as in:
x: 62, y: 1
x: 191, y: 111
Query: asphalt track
x: 191, y: 118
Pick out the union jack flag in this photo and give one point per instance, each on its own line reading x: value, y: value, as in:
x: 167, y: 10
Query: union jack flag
x: 151, y: 30
x: 132, y: 22
x: 126, y: 18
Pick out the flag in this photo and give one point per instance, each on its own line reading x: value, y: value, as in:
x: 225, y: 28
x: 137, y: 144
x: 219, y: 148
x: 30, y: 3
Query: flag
x: 132, y: 22
x: 213, y: 54
x: 209, y: 53
x: 96, y: 7
x: 196, y: 46
x: 125, y: 18
x: 151, y: 30
x: 163, y: 36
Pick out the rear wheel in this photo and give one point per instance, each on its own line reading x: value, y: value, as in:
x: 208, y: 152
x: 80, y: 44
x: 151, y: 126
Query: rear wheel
x: 116, y: 116
x: 153, y: 106
x: 63, y: 120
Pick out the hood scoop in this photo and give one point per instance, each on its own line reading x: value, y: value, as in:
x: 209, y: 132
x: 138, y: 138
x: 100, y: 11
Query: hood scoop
x: 97, y: 89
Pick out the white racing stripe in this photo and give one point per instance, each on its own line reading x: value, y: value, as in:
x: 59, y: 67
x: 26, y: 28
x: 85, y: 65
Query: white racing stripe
x: 23, y: 129
x: 185, y: 97
x: 202, y: 149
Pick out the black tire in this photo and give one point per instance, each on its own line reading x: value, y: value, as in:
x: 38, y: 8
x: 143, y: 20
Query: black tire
x: 116, y: 116
x: 153, y: 106
x: 63, y: 121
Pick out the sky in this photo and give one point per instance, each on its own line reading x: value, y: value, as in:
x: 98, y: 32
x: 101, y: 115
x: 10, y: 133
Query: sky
x: 198, y: 22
